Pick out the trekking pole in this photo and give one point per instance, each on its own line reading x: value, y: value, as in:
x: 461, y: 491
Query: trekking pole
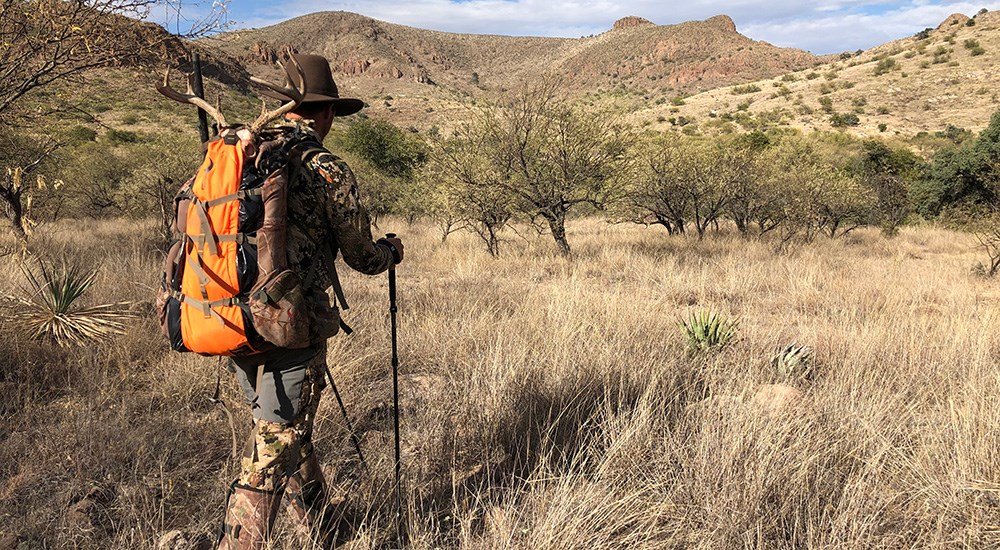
x: 347, y: 420
x: 395, y: 393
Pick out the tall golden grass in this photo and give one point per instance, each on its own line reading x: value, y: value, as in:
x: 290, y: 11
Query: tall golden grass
x: 552, y: 403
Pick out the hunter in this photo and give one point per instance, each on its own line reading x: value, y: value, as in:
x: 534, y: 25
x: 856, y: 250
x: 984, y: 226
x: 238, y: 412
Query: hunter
x: 325, y: 216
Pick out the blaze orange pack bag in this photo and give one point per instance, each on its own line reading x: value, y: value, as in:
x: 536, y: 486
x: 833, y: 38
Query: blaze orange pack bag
x: 226, y: 287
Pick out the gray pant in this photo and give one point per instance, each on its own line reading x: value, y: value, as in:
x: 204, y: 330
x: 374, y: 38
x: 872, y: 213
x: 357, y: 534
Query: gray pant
x: 278, y: 398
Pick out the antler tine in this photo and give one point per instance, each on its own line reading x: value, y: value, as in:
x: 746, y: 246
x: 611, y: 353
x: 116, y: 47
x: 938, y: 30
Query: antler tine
x: 190, y: 97
x: 296, y: 93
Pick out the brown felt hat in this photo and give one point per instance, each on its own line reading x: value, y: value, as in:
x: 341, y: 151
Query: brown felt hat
x: 320, y: 86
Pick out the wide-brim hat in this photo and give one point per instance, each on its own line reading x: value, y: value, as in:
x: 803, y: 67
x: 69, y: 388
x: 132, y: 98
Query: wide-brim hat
x: 320, y: 87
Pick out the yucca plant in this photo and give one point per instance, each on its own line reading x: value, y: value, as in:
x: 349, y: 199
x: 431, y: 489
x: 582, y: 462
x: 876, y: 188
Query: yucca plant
x: 793, y: 362
x: 707, y: 330
x: 52, y: 311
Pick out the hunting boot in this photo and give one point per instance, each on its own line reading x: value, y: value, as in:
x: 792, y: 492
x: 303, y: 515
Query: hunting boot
x: 321, y: 521
x: 250, y: 515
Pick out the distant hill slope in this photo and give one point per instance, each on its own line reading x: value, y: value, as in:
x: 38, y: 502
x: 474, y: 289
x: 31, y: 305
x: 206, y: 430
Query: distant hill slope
x: 688, y: 57
x: 695, y: 77
x: 941, y: 77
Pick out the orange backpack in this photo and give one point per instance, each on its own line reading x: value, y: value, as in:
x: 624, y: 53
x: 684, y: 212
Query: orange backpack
x: 226, y: 287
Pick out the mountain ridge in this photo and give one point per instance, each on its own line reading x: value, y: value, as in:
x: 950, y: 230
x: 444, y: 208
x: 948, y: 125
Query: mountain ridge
x: 633, y: 52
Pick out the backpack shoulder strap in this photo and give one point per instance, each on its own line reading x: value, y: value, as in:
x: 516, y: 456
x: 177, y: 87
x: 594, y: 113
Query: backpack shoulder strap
x: 297, y: 157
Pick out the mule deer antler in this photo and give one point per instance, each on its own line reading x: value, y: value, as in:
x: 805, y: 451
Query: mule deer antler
x: 296, y: 93
x: 190, y: 97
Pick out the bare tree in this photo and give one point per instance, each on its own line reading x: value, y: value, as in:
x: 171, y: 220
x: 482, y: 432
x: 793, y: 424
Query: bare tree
x: 655, y: 194
x: 46, y: 41
x: 987, y: 233
x: 470, y: 188
x: 24, y: 159
x: 684, y: 182
x: 550, y: 156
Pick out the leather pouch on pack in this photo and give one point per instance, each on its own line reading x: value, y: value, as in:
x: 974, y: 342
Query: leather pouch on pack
x: 280, y: 312
x: 167, y: 285
x: 171, y: 263
x: 325, y: 320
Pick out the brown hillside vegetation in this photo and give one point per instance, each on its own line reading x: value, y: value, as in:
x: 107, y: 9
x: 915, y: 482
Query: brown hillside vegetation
x: 697, y: 55
x: 429, y: 71
x: 552, y: 403
x: 941, y: 77
x: 699, y: 77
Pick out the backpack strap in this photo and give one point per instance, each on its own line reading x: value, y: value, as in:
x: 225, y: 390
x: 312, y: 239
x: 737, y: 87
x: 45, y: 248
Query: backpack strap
x: 296, y: 158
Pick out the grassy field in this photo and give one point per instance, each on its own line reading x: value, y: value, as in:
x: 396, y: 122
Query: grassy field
x: 552, y: 403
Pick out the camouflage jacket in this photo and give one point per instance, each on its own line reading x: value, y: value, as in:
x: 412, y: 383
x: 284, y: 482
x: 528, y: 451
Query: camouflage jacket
x: 325, y: 210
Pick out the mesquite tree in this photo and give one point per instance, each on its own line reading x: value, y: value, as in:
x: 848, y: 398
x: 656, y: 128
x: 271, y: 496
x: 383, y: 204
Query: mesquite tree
x: 468, y: 189
x: 551, y: 156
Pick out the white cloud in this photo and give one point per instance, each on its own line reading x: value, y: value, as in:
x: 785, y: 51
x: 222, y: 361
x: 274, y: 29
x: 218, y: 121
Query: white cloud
x: 820, y: 26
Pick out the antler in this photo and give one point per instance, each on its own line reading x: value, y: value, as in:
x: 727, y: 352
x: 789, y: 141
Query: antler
x: 191, y: 98
x: 296, y: 93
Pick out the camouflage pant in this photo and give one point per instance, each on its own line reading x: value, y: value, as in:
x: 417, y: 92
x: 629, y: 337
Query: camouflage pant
x: 284, y: 409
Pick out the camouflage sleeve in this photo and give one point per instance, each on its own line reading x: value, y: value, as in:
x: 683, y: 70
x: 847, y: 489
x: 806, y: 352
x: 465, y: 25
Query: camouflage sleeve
x: 348, y: 219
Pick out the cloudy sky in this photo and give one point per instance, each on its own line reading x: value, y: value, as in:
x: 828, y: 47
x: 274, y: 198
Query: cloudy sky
x: 820, y: 26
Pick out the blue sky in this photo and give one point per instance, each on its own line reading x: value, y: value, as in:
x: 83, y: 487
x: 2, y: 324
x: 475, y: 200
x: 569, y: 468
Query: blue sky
x: 820, y: 26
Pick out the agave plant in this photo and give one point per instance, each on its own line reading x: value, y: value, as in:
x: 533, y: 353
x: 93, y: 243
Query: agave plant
x: 707, y: 330
x: 793, y: 362
x: 52, y: 310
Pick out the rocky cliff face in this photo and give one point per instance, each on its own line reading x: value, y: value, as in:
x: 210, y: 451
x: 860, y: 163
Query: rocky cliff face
x: 631, y: 22
x: 266, y: 53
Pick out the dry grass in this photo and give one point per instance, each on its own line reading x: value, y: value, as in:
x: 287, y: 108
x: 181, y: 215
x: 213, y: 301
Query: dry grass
x: 552, y: 403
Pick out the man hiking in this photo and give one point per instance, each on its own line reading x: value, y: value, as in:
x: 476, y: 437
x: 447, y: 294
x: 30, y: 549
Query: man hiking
x: 324, y: 217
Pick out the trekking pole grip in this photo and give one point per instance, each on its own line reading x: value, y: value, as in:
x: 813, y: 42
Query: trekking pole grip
x: 396, y: 255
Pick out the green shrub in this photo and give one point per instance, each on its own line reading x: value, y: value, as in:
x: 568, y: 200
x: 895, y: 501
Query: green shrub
x: 970, y: 44
x: 745, y: 89
x: 121, y: 136
x: 130, y: 119
x: 706, y: 330
x: 886, y: 65
x: 80, y: 134
x: 882, y: 127
x: 839, y: 120
x: 793, y: 362
x: 978, y: 50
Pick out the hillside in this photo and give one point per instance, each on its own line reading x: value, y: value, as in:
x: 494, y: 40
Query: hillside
x: 694, y: 77
x: 925, y: 83
x: 435, y: 72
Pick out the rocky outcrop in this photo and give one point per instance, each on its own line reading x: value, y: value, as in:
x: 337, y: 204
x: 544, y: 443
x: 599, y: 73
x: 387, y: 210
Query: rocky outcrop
x: 631, y: 22
x: 421, y: 76
x: 954, y: 20
x: 723, y: 22
x: 355, y: 67
x: 269, y: 54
